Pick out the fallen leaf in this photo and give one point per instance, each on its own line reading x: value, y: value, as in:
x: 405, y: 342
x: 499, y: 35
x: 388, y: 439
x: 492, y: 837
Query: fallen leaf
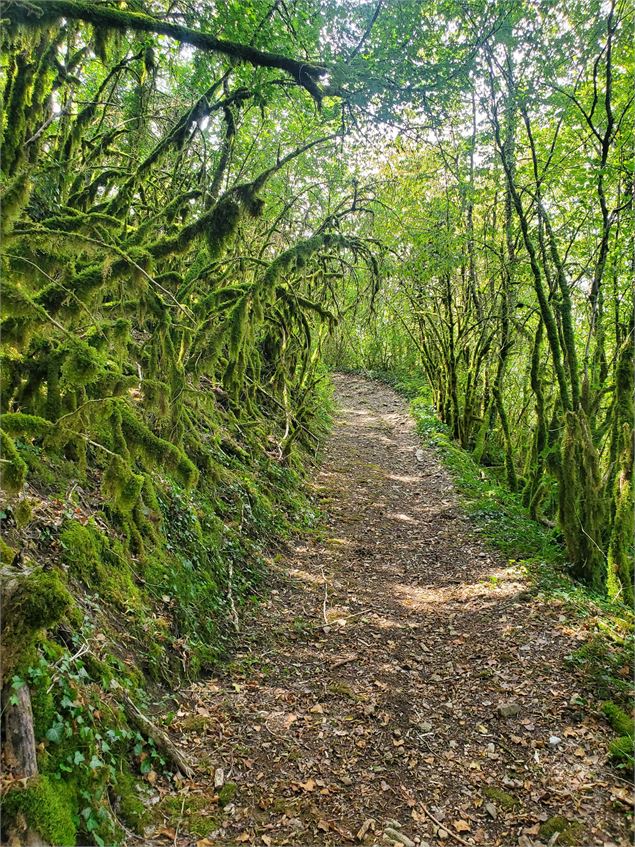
x: 309, y: 785
x: 364, y: 828
x: 462, y: 826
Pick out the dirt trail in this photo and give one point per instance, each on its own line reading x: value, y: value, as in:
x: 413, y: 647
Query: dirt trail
x: 370, y: 683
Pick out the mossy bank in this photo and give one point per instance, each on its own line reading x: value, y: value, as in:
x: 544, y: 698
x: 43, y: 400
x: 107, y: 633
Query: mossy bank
x: 97, y: 617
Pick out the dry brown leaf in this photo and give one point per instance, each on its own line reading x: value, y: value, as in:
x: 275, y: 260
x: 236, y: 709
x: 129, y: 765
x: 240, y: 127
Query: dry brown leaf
x: 309, y: 785
x: 462, y: 826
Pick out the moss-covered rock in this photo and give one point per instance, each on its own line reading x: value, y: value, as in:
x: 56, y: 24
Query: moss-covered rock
x: 501, y: 798
x: 196, y: 813
x: 570, y: 832
x: 43, y: 805
x: 39, y: 601
x: 227, y: 793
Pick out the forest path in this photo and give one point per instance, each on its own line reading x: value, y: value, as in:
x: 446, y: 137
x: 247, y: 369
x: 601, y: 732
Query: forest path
x: 369, y: 690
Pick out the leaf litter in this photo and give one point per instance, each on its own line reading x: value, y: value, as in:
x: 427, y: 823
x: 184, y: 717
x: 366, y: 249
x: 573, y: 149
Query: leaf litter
x: 397, y: 686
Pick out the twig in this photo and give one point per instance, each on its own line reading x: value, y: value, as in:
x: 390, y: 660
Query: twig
x: 341, y: 662
x: 326, y: 598
x: 160, y: 738
x: 178, y: 823
x: 446, y: 828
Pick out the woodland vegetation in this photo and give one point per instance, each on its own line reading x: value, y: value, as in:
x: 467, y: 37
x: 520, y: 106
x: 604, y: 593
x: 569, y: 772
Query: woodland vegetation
x: 205, y: 206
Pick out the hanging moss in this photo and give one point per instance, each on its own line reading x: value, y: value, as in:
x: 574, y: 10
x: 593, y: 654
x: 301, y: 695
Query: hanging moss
x: 30, y: 426
x: 156, y: 451
x: 13, y: 468
x: 121, y: 486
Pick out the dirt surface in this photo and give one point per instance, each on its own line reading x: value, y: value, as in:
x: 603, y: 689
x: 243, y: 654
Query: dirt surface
x: 368, y: 698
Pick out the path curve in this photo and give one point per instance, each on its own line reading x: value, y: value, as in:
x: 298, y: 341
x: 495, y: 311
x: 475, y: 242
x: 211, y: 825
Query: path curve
x: 367, y: 698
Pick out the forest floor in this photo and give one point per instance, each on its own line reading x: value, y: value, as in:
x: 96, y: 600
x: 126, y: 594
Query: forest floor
x: 401, y: 682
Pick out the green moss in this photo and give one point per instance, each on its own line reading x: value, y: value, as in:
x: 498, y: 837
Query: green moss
x: 128, y: 804
x: 195, y: 812
x: 227, y: 793
x: 17, y: 423
x: 570, y: 831
x: 12, y: 468
x: 22, y: 513
x: 622, y: 723
x: 82, y: 364
x: 622, y: 751
x: 39, y: 602
x: 43, y: 706
x: 7, y: 554
x: 100, y: 563
x: 46, y: 806
x: 502, y: 798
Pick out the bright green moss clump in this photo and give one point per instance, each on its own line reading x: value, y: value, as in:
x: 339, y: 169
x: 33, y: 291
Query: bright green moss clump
x: 12, y: 468
x: 38, y: 602
x: 622, y: 723
x: 570, y: 832
x: 46, y: 806
x: 504, y: 800
x: 621, y: 750
x: 99, y: 562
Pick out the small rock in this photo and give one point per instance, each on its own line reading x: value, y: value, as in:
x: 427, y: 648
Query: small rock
x: 554, y: 740
x: 508, y: 710
x: 219, y: 778
x: 393, y: 835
